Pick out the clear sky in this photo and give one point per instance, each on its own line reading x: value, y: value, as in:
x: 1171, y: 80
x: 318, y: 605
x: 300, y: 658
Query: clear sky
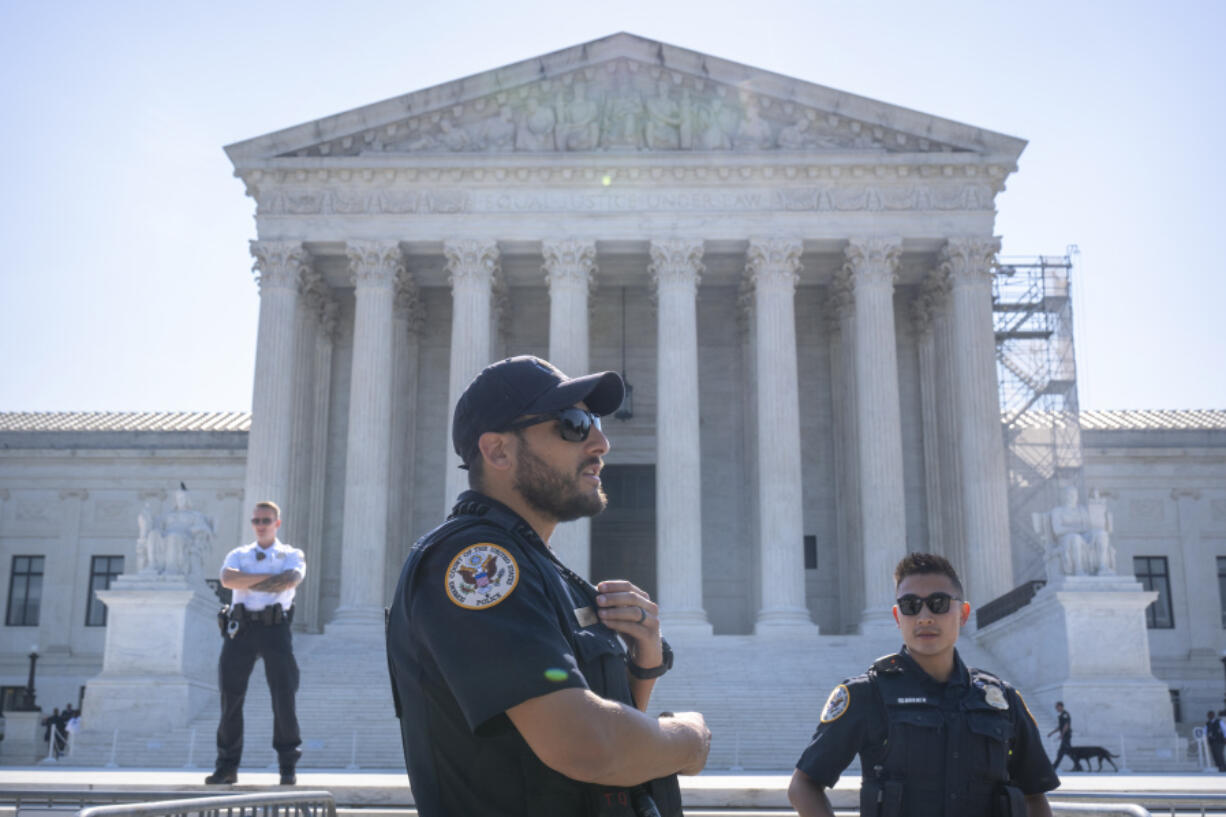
x: 126, y: 280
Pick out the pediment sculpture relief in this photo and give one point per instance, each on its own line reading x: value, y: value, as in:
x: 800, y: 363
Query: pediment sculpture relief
x: 624, y: 106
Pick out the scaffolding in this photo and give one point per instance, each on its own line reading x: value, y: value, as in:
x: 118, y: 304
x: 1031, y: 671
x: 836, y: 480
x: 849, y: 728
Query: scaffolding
x: 1032, y: 314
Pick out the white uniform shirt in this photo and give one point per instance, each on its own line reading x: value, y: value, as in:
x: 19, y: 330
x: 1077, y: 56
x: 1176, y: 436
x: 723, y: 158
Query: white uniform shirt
x: 278, y: 557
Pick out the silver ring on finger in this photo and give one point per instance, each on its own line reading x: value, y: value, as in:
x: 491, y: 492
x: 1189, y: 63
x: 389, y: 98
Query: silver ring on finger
x: 642, y: 615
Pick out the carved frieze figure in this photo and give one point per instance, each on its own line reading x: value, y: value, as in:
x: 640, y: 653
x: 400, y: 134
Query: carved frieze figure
x: 662, y: 127
x: 175, y: 542
x: 536, y: 130
x: 623, y: 109
x: 714, y: 123
x: 754, y: 132
x: 498, y: 132
x: 578, y: 125
x: 1077, y: 538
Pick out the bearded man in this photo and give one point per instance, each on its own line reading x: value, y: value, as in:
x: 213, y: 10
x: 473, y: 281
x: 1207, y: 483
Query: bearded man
x: 521, y: 688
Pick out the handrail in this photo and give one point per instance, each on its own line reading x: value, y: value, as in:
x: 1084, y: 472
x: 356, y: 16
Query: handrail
x: 263, y: 804
x: 1059, y: 809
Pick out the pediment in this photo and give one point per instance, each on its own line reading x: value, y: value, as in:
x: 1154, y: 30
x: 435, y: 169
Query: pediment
x: 624, y: 94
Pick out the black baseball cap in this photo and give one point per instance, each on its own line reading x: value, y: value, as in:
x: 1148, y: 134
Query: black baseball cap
x: 523, y: 385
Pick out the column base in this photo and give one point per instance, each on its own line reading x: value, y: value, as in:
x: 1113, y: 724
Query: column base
x: 785, y: 621
x: 878, y: 622
x: 357, y: 622
x: 682, y: 623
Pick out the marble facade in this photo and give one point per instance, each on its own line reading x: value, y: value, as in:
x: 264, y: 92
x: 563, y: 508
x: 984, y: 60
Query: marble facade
x: 795, y: 281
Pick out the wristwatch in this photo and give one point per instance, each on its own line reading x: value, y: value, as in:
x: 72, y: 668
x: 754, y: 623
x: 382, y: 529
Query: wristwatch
x: 654, y: 672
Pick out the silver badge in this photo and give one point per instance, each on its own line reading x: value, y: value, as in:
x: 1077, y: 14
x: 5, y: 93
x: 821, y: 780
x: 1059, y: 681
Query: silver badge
x: 586, y: 616
x: 995, y: 698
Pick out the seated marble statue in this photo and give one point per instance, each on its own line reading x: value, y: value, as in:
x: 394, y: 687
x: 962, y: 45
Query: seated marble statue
x: 1080, y: 536
x: 173, y: 543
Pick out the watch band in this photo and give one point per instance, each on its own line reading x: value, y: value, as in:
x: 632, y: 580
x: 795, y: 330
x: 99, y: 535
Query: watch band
x: 654, y: 672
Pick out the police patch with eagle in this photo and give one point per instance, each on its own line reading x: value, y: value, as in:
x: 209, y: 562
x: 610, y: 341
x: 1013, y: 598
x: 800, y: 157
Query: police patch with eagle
x: 481, y: 576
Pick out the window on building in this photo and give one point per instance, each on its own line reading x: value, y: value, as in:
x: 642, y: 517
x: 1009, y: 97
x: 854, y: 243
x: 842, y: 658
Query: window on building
x: 25, y: 591
x: 810, y: 553
x: 1176, y: 706
x: 1153, y: 574
x: 102, y: 571
x: 1221, y: 586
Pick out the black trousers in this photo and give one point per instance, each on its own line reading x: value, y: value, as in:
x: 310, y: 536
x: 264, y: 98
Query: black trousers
x: 1066, y: 743
x: 1219, y: 757
x: 274, y: 644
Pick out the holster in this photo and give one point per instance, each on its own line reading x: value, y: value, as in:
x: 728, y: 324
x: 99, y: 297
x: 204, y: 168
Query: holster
x: 223, y: 618
x: 1010, y: 802
x: 881, y: 798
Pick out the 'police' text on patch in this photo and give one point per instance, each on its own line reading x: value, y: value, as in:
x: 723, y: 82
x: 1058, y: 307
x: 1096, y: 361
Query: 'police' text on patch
x: 481, y: 576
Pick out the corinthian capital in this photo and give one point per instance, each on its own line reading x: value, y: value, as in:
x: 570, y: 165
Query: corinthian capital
x: 774, y: 261
x: 471, y: 260
x: 932, y: 297
x: 676, y: 261
x: 374, y: 264
x: 279, y: 264
x: 569, y: 261
x: 873, y: 260
x: 969, y: 259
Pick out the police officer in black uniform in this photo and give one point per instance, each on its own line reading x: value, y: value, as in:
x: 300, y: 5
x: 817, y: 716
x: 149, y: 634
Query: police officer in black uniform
x: 521, y: 688
x: 1064, y: 725
x: 935, y: 738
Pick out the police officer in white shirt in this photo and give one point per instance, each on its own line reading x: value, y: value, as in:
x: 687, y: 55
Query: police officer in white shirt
x: 263, y: 576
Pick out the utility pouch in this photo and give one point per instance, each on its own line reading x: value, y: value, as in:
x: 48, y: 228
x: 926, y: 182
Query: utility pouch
x: 1010, y: 802
x: 881, y: 798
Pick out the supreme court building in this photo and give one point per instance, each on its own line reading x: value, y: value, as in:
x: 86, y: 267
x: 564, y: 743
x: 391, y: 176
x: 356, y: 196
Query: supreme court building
x: 795, y: 281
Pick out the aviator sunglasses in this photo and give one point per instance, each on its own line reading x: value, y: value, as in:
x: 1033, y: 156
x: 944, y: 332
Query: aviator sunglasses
x: 574, y: 424
x: 938, y: 603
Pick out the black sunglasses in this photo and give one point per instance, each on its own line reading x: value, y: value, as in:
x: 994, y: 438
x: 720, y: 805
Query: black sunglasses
x: 262, y: 520
x: 938, y: 603
x: 574, y: 424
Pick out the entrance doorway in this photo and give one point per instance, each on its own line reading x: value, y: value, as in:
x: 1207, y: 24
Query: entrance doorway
x: 624, y: 535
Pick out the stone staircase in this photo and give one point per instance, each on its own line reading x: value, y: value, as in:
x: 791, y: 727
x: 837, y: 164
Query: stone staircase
x: 761, y: 696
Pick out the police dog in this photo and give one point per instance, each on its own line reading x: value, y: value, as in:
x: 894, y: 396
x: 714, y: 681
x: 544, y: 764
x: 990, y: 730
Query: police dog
x: 1088, y: 753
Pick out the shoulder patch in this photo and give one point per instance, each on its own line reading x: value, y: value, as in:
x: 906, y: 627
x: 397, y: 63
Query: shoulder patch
x: 836, y: 704
x: 481, y: 576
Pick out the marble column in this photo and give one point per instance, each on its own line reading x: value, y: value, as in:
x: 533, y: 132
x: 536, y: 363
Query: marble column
x: 570, y: 267
x: 1200, y: 595
x: 772, y: 268
x: 409, y: 318
x: 296, y: 504
x: 873, y: 263
x: 374, y: 265
x: 59, y: 610
x: 308, y: 594
x: 985, y: 501
x: 949, y: 430
x: 841, y: 314
x: 280, y: 266
x: 676, y: 266
x: 471, y: 267
x: 923, y: 309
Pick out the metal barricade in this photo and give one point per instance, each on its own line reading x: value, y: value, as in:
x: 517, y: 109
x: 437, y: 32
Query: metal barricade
x: 258, y: 804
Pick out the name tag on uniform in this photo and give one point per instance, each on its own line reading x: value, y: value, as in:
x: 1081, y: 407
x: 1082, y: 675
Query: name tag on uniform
x: 912, y: 700
x: 586, y: 616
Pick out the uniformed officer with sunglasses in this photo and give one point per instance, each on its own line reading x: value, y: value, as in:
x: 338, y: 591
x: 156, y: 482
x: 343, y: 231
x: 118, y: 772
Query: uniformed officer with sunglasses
x: 521, y: 688
x: 934, y: 737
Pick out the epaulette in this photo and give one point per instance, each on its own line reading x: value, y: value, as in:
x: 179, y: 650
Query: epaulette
x: 888, y: 664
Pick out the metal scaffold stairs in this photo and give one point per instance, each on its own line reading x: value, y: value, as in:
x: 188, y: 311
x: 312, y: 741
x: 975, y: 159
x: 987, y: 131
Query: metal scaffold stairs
x: 1033, y: 321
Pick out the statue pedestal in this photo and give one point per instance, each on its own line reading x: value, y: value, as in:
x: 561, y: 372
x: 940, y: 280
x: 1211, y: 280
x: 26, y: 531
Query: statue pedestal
x: 1084, y: 642
x: 160, y: 666
x: 23, y: 737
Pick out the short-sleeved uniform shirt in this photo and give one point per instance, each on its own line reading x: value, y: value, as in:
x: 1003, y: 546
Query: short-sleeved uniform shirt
x: 854, y: 722
x: 276, y: 558
x: 1065, y: 722
x: 480, y: 623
